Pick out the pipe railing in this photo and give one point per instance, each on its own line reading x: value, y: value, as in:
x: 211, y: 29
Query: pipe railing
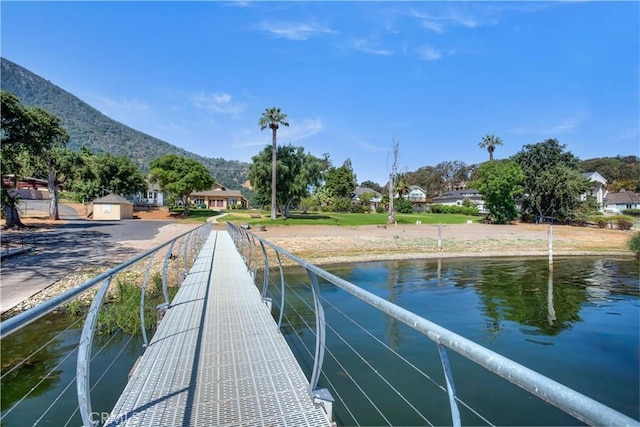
x: 564, y: 398
x: 189, y: 243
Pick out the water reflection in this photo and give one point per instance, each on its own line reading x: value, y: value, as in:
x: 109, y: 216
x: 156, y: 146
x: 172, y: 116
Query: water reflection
x: 38, y: 372
x: 516, y: 293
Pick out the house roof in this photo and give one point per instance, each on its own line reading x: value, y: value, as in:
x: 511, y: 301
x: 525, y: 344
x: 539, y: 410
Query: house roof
x: 222, y: 193
x: 359, y: 191
x: 112, y: 199
x: 622, y: 198
x: 416, y: 187
x: 594, y: 177
x: 458, y: 194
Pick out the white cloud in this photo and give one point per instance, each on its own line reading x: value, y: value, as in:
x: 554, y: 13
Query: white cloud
x: 221, y: 103
x: 121, y: 105
x: 370, y: 147
x: 367, y: 46
x: 301, y: 130
x: 428, y: 53
x: 565, y: 125
x: 433, y: 26
x: 453, y: 17
x: 294, y: 31
x: 292, y: 134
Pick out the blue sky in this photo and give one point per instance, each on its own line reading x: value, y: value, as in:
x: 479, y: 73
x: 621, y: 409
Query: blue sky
x: 351, y: 76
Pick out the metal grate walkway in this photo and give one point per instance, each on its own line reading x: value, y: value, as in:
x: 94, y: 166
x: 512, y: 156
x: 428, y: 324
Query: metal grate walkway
x: 216, y: 358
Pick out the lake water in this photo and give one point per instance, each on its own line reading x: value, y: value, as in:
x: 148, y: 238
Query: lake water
x: 583, y: 334
x: 581, y: 329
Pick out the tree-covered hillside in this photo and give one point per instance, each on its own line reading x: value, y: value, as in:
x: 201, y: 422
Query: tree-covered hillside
x: 90, y: 128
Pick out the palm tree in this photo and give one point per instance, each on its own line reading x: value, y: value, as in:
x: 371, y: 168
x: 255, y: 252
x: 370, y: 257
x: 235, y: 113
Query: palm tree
x: 401, y: 184
x: 490, y: 142
x: 272, y: 118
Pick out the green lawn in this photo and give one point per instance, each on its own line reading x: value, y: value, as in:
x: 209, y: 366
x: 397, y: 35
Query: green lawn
x: 346, y: 219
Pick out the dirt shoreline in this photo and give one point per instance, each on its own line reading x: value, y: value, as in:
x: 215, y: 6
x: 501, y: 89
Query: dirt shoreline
x: 337, y: 244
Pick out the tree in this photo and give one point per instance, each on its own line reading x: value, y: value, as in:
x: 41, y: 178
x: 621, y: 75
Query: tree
x: 395, y: 163
x: 13, y: 131
x: 272, y: 118
x: 180, y: 177
x: 297, y: 171
x: 40, y: 135
x: 490, y: 142
x: 46, y: 132
x: 553, y: 183
x: 401, y: 184
x: 499, y: 182
x: 118, y: 174
x: 341, y: 181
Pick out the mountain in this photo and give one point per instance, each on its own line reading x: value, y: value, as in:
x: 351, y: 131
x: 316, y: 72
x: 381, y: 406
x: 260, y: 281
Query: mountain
x: 101, y: 134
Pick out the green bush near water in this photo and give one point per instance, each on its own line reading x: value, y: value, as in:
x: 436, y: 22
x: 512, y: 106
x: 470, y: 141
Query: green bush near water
x: 122, y: 311
x: 634, y: 243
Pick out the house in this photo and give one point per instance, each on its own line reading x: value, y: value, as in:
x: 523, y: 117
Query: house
x: 597, y: 188
x: 375, y: 200
x: 27, y: 188
x: 152, y: 197
x: 219, y: 198
x: 617, y: 202
x: 457, y: 197
x: 418, y: 198
x: 112, y: 207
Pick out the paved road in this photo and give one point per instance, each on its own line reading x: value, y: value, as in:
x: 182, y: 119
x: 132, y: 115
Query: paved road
x: 63, y: 249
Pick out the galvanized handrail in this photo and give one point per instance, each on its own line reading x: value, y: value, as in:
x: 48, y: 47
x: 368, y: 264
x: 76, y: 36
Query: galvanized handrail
x: 564, y: 398
x: 19, y: 321
x: 86, y: 339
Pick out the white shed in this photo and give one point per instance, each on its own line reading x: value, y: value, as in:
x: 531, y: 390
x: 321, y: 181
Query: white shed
x: 112, y: 207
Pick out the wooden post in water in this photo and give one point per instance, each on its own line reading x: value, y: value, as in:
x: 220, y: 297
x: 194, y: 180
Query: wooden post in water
x: 550, y: 236
x: 439, y: 237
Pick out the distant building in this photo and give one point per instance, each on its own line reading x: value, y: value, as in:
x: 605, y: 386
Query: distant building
x: 374, y: 202
x: 219, y: 198
x: 597, y: 189
x: 617, y: 202
x: 418, y: 198
x: 457, y: 197
x: 152, y: 197
x: 112, y: 207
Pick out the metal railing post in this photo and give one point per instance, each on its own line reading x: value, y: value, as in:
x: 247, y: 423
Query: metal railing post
x: 281, y: 291
x: 265, y: 281
x: 84, y: 356
x: 143, y: 325
x: 185, y: 264
x: 318, y: 358
x: 451, y: 389
x: 165, y: 268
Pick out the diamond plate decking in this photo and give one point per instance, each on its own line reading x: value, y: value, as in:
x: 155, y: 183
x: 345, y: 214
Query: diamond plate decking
x: 216, y: 358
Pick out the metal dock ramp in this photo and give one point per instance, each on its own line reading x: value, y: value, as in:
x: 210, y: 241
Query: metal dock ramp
x: 217, y: 358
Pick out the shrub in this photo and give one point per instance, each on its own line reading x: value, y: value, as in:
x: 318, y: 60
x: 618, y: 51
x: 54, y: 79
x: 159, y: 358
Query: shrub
x: 624, y: 222
x: 460, y: 210
x: 634, y: 243
x: 631, y: 212
x: 342, y: 204
x: 403, y: 206
x: 380, y: 209
x: 601, y: 221
x: 359, y: 209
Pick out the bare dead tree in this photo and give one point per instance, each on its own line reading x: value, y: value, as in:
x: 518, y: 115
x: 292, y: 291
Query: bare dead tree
x: 395, y: 153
